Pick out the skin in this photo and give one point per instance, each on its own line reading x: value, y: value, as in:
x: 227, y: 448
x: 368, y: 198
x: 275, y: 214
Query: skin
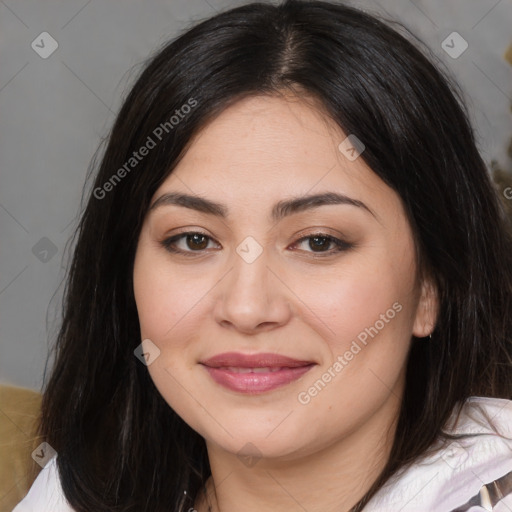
x: 324, y: 455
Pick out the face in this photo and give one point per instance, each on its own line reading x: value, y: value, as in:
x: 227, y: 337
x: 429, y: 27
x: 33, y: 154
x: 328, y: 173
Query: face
x: 330, y: 285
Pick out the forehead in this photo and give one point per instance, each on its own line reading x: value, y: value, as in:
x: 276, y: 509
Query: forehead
x: 264, y: 148
x: 275, y: 129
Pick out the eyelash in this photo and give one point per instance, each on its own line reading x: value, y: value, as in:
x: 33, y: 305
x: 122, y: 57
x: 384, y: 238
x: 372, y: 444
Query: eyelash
x: 341, y: 246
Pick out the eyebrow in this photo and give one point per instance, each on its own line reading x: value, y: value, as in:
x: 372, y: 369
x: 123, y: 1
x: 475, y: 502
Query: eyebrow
x: 280, y: 210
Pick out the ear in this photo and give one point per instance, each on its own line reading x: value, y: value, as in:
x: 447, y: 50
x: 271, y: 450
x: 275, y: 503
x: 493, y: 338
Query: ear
x: 427, y: 310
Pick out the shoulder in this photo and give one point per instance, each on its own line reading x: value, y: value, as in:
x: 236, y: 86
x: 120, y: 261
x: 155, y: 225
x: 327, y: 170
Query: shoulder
x: 46, y: 493
x: 458, y: 469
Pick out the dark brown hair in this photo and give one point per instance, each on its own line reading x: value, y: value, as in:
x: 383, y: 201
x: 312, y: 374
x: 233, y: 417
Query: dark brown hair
x: 120, y: 446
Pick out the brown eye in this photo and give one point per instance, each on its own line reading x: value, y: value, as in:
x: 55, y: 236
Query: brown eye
x: 195, y: 242
x: 319, y: 243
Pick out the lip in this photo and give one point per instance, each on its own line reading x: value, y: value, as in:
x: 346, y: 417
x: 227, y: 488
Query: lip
x: 233, y: 371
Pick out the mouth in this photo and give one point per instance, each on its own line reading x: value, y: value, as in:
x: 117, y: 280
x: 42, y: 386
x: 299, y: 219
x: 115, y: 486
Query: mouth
x: 255, y: 373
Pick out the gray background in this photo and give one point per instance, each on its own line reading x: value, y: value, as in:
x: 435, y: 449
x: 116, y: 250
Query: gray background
x: 54, y: 112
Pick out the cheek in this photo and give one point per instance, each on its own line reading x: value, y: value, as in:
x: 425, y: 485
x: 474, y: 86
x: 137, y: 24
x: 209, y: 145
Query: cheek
x: 163, y: 299
x: 165, y: 309
x: 345, y: 301
x: 369, y: 312
x: 364, y: 313
x: 169, y: 306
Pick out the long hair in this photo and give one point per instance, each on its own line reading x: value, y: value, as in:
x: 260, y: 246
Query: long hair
x: 120, y: 446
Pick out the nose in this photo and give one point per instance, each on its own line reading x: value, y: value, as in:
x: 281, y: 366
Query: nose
x: 252, y: 297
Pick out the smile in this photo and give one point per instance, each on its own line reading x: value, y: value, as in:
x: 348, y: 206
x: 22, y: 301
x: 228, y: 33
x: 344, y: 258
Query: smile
x: 256, y: 373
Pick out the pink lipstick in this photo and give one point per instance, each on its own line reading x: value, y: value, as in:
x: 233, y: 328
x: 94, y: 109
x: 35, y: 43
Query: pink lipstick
x: 255, y: 373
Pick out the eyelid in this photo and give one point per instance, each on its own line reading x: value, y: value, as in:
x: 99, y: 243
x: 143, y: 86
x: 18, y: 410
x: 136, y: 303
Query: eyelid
x: 169, y: 241
x: 340, y: 244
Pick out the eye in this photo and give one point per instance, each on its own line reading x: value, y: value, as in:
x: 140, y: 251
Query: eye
x: 197, y: 242
x: 322, y: 241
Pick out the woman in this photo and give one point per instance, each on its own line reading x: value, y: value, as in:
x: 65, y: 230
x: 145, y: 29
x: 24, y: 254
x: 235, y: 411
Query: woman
x: 291, y: 288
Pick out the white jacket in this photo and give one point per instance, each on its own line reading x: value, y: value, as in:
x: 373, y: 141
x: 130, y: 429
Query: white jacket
x: 438, y: 483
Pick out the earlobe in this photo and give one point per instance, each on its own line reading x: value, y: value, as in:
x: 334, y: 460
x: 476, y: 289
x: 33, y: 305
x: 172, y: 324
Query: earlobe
x: 427, y: 310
